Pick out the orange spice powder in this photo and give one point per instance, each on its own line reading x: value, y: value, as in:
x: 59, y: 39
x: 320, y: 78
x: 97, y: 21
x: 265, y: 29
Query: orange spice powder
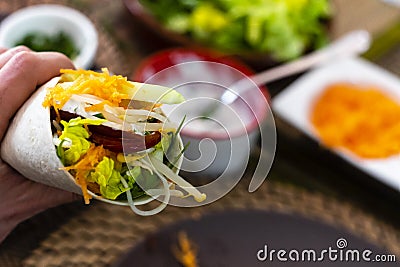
x: 359, y: 118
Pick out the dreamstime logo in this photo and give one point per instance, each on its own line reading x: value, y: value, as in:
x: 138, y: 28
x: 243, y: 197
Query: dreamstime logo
x: 341, y: 243
x: 340, y: 253
x: 220, y: 132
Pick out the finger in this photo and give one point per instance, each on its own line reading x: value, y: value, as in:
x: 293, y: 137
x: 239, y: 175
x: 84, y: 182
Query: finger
x: 2, y: 50
x: 22, y: 74
x: 7, y: 54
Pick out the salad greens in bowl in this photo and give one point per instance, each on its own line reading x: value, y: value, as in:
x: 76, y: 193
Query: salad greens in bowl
x: 283, y: 29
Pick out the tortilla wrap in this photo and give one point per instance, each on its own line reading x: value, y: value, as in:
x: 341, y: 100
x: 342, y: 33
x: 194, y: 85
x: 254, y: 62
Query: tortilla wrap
x: 28, y: 147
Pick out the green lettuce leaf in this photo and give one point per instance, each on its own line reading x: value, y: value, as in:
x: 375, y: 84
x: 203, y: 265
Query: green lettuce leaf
x: 284, y: 28
x: 75, y: 132
x: 108, y: 178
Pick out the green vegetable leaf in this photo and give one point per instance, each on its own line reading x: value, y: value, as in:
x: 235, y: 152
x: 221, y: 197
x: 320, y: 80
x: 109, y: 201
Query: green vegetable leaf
x: 283, y: 28
x: 108, y: 178
x: 60, y: 152
x: 75, y: 132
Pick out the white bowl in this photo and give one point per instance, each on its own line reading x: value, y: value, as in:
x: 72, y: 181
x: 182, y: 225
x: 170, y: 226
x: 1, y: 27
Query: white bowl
x: 294, y: 105
x: 50, y: 20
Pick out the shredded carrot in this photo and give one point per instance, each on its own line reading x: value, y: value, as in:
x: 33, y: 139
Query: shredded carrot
x: 87, y: 163
x: 103, y: 85
x: 359, y: 118
x: 99, y: 106
x: 186, y: 253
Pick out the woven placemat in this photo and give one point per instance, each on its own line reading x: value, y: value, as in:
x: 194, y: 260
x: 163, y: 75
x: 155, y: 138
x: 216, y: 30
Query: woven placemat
x: 99, y: 234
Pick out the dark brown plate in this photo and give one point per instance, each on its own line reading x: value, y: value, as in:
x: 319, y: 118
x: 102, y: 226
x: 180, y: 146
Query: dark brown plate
x: 234, y: 239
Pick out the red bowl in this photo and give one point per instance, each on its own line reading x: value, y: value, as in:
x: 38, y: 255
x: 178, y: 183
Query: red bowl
x: 166, y: 58
x: 171, y: 57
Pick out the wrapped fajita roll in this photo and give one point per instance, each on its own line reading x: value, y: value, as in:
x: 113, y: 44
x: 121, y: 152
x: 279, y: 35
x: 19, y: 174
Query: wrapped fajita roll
x: 101, y: 136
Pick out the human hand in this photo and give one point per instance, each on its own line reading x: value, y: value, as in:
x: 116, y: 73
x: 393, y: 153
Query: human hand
x: 21, y: 72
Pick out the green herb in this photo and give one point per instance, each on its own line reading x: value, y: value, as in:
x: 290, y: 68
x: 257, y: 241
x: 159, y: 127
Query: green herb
x: 174, y: 137
x: 173, y: 164
x: 99, y: 115
x: 60, y: 152
x: 60, y: 42
x: 171, y: 149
